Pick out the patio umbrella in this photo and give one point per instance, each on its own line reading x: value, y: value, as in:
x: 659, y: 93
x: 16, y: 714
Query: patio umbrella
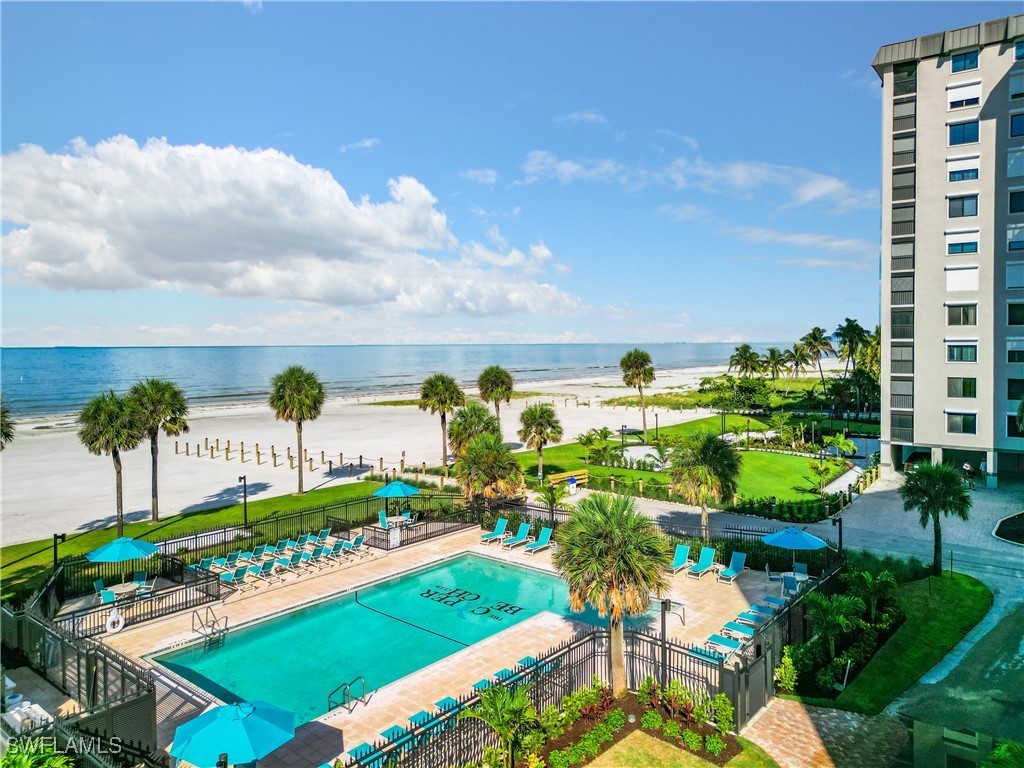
x: 120, y: 550
x: 244, y: 731
x: 794, y: 539
x: 396, y: 490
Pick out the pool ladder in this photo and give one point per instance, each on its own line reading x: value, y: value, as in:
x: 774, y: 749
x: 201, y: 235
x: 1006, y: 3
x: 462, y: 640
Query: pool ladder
x: 211, y: 627
x: 344, y: 695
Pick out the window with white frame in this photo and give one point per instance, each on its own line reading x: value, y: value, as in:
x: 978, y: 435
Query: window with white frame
x: 961, y: 278
x: 961, y: 423
x: 962, y: 168
x: 963, y: 95
x: 963, y: 241
x: 1015, y: 238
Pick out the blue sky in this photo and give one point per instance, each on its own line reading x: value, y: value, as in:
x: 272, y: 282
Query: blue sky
x: 223, y: 173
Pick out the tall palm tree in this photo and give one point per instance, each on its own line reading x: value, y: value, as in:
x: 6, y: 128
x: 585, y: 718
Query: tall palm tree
x: 162, y: 407
x: 638, y: 371
x: 745, y: 360
x: 470, y: 420
x: 496, y: 385
x: 509, y: 712
x: 851, y: 336
x: 486, y: 467
x: 773, y: 362
x: 834, y: 616
x: 871, y: 588
x: 705, y: 469
x: 7, y: 425
x: 797, y: 360
x: 613, y: 558
x: 108, y: 425
x: 936, y: 490
x: 818, y: 345
x: 297, y: 394
x: 870, y: 353
x: 540, y: 427
x: 440, y: 393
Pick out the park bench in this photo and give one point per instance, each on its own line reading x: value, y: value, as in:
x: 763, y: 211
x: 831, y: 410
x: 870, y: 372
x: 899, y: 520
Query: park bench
x: 581, y: 475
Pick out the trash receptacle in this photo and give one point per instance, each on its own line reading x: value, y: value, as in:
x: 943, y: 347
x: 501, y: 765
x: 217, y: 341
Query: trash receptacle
x: 572, y: 486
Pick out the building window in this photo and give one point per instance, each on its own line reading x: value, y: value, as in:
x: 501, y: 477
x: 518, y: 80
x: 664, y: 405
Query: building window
x: 962, y: 423
x: 1015, y: 274
x: 1015, y: 238
x: 1015, y: 162
x: 1015, y: 313
x: 1017, y: 85
x: 962, y: 353
x: 963, y: 206
x: 962, y: 314
x: 1015, y: 389
x: 968, y: 174
x: 1012, y: 430
x: 963, y: 133
x: 963, y: 95
x: 961, y: 279
x: 1017, y: 201
x: 1015, y: 356
x: 957, y: 386
x: 964, y: 61
x: 954, y: 249
x: 1018, y: 51
x: 1017, y: 125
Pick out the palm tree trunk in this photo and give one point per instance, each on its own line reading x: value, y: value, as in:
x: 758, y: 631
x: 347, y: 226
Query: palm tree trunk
x: 704, y: 526
x: 153, y: 437
x: 540, y: 461
x: 643, y: 412
x: 119, y: 495
x: 298, y: 438
x: 937, y: 557
x: 444, y: 440
x: 822, y: 372
x: 497, y: 415
x: 618, y: 649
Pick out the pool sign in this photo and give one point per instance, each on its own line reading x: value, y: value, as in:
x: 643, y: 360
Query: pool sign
x: 455, y: 598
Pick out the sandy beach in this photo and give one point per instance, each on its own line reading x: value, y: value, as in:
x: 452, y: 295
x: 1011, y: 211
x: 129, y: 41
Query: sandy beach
x: 50, y: 483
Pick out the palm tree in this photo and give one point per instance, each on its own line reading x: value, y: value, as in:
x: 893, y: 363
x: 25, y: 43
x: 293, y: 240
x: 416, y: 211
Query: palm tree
x: 509, y: 713
x: 818, y: 345
x: 614, y: 559
x: 540, y: 427
x: 851, y: 336
x: 705, y: 469
x: 871, y: 588
x: 163, y: 407
x: 108, y: 425
x: 637, y: 371
x: 745, y: 360
x: 833, y: 616
x: 7, y: 425
x: 934, y: 490
x: 440, y: 393
x: 605, y: 455
x: 1007, y: 754
x: 797, y: 359
x: 495, y: 385
x: 297, y: 395
x: 773, y: 363
x: 841, y: 443
x: 552, y: 496
x: 781, y: 423
x: 470, y: 420
x: 870, y: 353
x: 34, y: 753
x: 487, y: 468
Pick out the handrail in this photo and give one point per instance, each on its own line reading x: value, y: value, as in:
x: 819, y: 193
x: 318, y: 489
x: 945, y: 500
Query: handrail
x: 346, y: 694
x: 209, y: 625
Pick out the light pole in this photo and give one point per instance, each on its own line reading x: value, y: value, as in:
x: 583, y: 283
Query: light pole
x: 57, y: 537
x: 623, y: 433
x: 245, y: 499
x: 655, y: 426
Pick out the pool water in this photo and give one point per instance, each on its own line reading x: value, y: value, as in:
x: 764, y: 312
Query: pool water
x: 383, y: 632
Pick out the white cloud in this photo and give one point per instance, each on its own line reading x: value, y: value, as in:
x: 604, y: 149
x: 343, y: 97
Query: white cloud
x: 540, y: 164
x: 363, y: 144
x: 850, y: 266
x: 243, y: 223
x: 806, y: 240
x: 486, y: 176
x: 691, y: 142
x: 583, y: 116
x: 866, y: 82
x: 535, y: 260
x: 681, y: 211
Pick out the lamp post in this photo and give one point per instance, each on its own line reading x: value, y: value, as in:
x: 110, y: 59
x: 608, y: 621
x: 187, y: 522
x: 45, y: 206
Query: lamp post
x: 655, y: 426
x: 245, y: 499
x: 666, y: 606
x: 57, y: 538
x: 622, y: 432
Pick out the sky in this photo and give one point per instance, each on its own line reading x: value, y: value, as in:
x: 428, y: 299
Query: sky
x: 342, y: 173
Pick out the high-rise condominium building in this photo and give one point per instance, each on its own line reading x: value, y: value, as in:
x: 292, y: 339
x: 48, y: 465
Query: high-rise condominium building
x: 953, y: 247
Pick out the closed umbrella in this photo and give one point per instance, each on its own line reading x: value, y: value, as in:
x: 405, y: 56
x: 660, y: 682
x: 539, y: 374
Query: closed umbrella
x: 120, y: 550
x: 245, y: 732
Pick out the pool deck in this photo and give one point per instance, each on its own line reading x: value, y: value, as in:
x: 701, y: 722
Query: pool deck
x: 708, y: 604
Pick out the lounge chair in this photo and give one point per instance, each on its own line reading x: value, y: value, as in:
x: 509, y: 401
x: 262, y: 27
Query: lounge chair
x: 774, y: 602
x: 293, y: 563
x: 255, y: 555
x: 682, y: 558
x: 236, y: 578
x: 366, y: 755
x: 337, y: 552
x: 141, y: 584
x: 227, y: 563
x: 543, y: 542
x: 706, y: 654
x: 399, y: 736
x: 206, y: 564
x: 355, y: 547
x: 522, y: 536
x: 527, y: 661
x: 382, y: 518
x: 324, y: 535
x: 752, y: 618
x: 800, y: 568
x: 497, y: 534
x: 771, y: 577
x: 265, y: 571
x: 447, y: 704
x: 98, y: 586
x: 482, y: 685
x: 738, y: 631
x: 315, y: 560
x: 723, y: 644
x: 107, y: 597
x: 407, y: 514
x: 790, y: 586
x: 504, y: 674
x: 736, y: 565
x: 704, y: 564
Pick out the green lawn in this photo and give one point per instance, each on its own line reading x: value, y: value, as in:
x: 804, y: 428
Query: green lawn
x: 641, y: 750
x: 26, y: 564
x: 676, y: 397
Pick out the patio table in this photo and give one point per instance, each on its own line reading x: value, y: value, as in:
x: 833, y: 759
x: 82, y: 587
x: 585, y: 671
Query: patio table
x: 800, y: 579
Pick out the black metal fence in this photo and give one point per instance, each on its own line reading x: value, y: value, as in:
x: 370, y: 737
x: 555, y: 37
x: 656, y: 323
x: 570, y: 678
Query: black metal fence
x: 402, y: 535
x: 77, y: 577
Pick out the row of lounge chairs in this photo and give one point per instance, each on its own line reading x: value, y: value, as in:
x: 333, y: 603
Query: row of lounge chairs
x: 706, y: 563
x: 735, y: 634
x: 508, y: 541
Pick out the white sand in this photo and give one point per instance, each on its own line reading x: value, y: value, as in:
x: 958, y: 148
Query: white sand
x: 50, y: 483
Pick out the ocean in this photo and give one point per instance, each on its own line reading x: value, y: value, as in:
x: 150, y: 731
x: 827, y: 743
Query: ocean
x: 56, y: 381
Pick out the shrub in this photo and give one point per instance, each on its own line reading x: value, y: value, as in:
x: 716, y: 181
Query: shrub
x: 551, y: 722
x: 723, y: 713
x: 903, y: 570
x: 672, y: 729
x: 558, y: 759
x: 785, y: 673
x: 648, y: 693
x: 532, y: 741
x: 692, y: 740
x: 603, y: 732
x: 674, y: 695
x: 575, y: 753
x: 701, y: 708
x: 651, y: 720
x: 589, y: 744
x: 494, y: 757
x: 616, y: 719
x: 533, y: 760
x: 714, y: 744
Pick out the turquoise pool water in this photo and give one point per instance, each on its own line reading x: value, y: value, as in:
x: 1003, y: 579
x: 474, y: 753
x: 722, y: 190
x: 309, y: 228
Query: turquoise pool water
x: 383, y: 632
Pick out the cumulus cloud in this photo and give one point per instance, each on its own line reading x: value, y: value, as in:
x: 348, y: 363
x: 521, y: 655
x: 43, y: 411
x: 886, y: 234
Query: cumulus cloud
x: 486, y: 176
x: 540, y: 164
x: 583, y: 116
x: 363, y: 144
x: 242, y: 223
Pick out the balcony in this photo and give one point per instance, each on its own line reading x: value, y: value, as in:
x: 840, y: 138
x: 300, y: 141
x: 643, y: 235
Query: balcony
x: 902, y: 401
x: 902, y: 434
x: 902, y: 193
x: 907, y: 123
x: 902, y: 298
x: 903, y: 158
x: 904, y: 87
x: 903, y: 331
x: 902, y: 263
x: 902, y: 228
x: 901, y: 366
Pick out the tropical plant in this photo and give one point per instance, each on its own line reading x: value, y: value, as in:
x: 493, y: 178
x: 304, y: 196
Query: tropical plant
x: 833, y: 616
x: 781, y: 424
x: 1007, y: 754
x: 162, y: 407
x: 613, y: 558
x: 818, y: 345
x: 108, y: 425
x: 605, y: 455
x: 638, y: 371
x: 851, y: 336
x: 540, y: 427
x: 470, y: 420
x: 441, y: 394
x: 509, y: 713
x: 797, y: 360
x: 745, y: 360
x: 7, y: 425
x: 871, y: 588
x: 773, y: 362
x: 842, y: 444
x: 487, y: 468
x: 297, y: 394
x: 552, y: 496
x: 496, y: 385
x: 705, y: 469
x: 785, y: 673
x: 661, y: 451
x: 869, y: 356
x: 34, y: 753
x: 934, y: 491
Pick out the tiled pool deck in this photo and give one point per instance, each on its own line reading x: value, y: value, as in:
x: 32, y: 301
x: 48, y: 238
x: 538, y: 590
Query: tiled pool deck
x: 708, y: 605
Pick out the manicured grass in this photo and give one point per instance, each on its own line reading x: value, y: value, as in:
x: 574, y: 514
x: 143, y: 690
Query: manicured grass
x: 25, y: 565
x: 679, y: 397
x: 641, y: 750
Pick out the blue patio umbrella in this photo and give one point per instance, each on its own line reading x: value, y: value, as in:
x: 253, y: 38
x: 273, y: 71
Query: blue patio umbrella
x: 396, y: 490
x: 794, y: 539
x: 244, y: 731
x: 120, y: 550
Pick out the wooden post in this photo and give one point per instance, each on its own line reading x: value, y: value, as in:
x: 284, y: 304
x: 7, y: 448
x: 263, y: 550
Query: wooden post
x: 310, y: 465
x: 360, y: 461
x: 206, y: 444
x: 186, y: 449
x: 211, y: 451
x: 257, y: 457
x: 381, y: 463
x: 401, y: 465
x: 288, y: 452
x: 227, y: 454
x: 291, y: 462
x: 640, y: 486
x: 612, y: 479
x: 341, y: 459
x: 351, y: 469
x: 257, y: 447
x: 305, y: 454
x: 241, y: 446
x: 323, y: 458
x: 175, y: 447
x: 218, y: 445
x: 394, y: 474
x: 273, y: 458
x: 241, y: 456
x: 229, y: 447
x: 423, y: 467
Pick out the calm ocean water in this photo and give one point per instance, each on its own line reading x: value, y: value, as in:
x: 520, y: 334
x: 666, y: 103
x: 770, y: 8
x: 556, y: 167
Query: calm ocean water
x: 51, y: 381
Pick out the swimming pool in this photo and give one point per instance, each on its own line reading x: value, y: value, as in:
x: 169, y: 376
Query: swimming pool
x: 382, y: 632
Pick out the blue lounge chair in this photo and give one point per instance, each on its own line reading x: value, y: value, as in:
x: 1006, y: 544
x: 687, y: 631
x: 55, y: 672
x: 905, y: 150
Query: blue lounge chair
x: 227, y: 563
x: 543, y: 542
x: 447, y: 704
x: 704, y: 653
x: 292, y: 563
x: 337, y: 552
x: 723, y: 644
x: 497, y: 534
x: 772, y: 578
x: 324, y: 535
x: 420, y: 719
x: 107, y: 597
x: 704, y: 564
x: 255, y: 555
x: 355, y: 547
x: 765, y: 610
x: 737, y: 630
x: 367, y: 755
x: 236, y: 578
x: 98, y: 586
x: 790, y: 586
x: 382, y: 518
x: 682, y: 558
x: 407, y: 514
x: 482, y: 685
x: 504, y: 674
x: 315, y: 560
x: 141, y: 584
x: 800, y: 568
x: 265, y: 571
x: 736, y: 565
x: 752, y: 618
x: 527, y: 661
x: 399, y: 736
x: 522, y: 536
x: 775, y: 602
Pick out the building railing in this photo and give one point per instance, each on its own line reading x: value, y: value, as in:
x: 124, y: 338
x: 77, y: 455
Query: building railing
x: 903, y: 193
x: 901, y: 366
x: 904, y: 87
x: 902, y: 298
x: 905, y: 123
x: 904, y: 158
x: 902, y: 434
x: 902, y: 263
x: 901, y: 401
x: 903, y: 227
